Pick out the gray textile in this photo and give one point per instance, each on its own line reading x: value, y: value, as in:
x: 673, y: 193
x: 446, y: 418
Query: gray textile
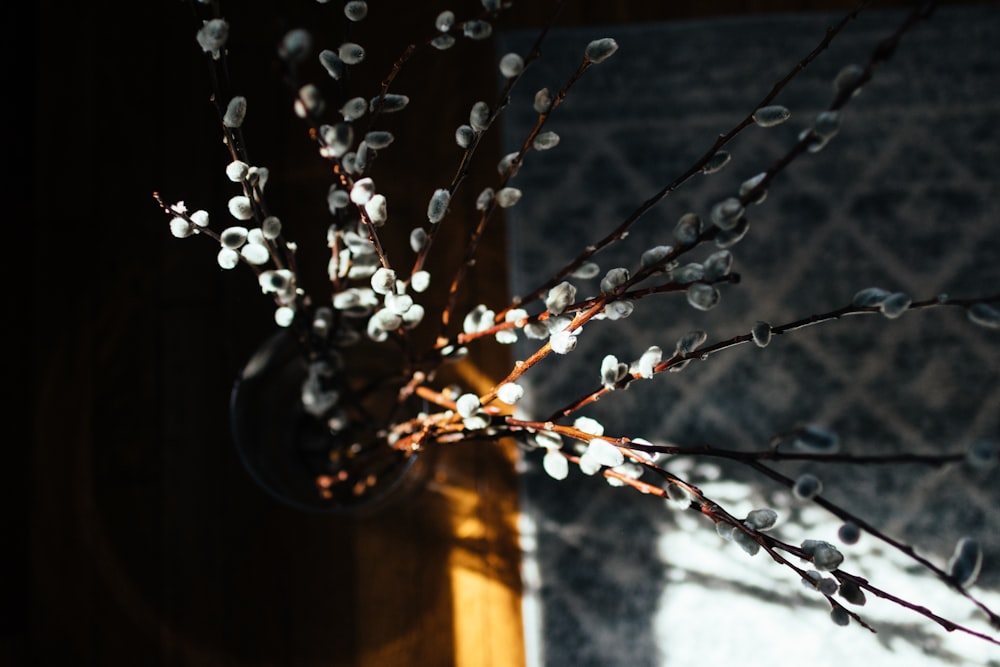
x: 905, y: 198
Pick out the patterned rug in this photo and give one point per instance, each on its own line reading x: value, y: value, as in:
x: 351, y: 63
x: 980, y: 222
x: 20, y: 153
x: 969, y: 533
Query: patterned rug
x: 904, y: 198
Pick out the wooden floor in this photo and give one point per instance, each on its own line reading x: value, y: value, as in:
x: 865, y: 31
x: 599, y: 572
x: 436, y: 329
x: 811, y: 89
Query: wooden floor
x: 141, y: 539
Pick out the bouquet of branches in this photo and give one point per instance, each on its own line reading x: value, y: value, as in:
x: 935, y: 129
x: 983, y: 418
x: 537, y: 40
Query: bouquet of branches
x: 368, y: 392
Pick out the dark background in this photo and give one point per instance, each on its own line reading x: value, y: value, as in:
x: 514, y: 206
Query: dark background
x: 133, y: 535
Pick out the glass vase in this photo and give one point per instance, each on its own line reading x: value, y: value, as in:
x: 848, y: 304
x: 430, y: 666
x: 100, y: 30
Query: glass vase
x: 315, y: 439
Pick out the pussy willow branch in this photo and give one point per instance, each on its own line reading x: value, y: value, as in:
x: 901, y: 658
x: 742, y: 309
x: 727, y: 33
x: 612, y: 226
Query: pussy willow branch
x: 875, y: 532
x: 521, y: 367
x: 463, y: 168
x: 739, y: 456
x: 376, y: 112
x: 882, y: 52
x: 704, y: 352
x: 713, y: 510
x: 210, y: 233
x: 237, y: 146
x: 345, y: 179
x: 948, y: 625
x: 171, y: 211
x: 619, y: 232
x: 754, y: 459
x: 408, y: 53
x: 474, y: 239
x: 769, y: 544
x: 631, y: 295
x: 800, y: 147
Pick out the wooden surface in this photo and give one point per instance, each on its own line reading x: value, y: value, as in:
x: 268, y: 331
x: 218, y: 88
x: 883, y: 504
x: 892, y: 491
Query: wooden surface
x: 143, y: 541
